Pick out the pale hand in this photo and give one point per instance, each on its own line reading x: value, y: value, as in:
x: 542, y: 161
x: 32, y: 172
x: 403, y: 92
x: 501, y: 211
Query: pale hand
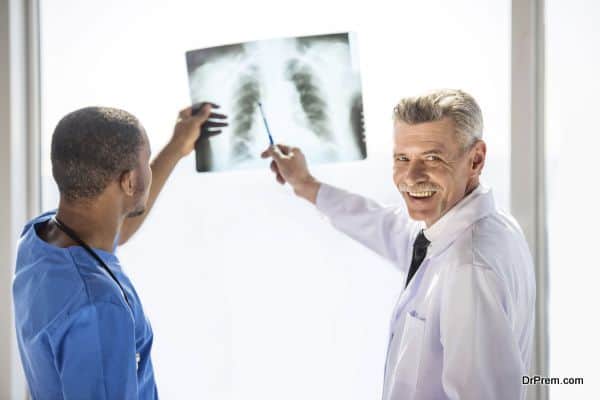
x: 289, y: 165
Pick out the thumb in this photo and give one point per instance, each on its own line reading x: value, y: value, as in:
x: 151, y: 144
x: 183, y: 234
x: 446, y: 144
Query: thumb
x: 272, y: 151
x: 277, y: 152
x: 204, y: 113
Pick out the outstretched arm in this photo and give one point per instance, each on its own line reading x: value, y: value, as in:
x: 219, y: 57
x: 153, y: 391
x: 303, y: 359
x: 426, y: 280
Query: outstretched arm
x: 384, y: 230
x: 185, y: 134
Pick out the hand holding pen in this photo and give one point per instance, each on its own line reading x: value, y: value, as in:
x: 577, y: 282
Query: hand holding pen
x: 289, y: 165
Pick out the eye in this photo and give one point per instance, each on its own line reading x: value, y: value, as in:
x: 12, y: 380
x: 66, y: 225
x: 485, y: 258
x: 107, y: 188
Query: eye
x: 400, y: 158
x: 432, y: 157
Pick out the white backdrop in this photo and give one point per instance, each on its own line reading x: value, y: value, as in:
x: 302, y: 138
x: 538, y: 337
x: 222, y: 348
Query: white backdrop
x: 572, y: 143
x: 251, y: 294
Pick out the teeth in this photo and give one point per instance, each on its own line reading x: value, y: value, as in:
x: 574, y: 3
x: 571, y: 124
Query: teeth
x: 421, y: 194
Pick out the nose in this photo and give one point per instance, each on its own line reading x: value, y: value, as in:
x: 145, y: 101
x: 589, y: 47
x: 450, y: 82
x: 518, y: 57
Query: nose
x: 415, y: 173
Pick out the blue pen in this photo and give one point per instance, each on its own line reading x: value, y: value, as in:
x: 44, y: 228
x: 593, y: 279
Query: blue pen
x: 266, y: 125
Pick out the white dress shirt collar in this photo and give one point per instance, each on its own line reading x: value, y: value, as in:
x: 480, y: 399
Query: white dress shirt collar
x: 473, y: 207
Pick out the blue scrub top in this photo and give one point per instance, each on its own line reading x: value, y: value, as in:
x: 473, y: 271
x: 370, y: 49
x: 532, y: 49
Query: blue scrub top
x: 78, y: 337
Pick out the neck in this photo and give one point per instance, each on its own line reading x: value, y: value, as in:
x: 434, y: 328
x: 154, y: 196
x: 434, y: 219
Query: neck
x: 471, y: 186
x: 96, y: 222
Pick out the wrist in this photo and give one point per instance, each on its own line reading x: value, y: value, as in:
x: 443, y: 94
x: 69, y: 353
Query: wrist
x: 174, y: 150
x: 307, y: 189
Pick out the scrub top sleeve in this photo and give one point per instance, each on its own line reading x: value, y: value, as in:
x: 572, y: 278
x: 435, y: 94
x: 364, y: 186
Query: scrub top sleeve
x: 95, y: 354
x: 481, y: 356
x: 385, y: 230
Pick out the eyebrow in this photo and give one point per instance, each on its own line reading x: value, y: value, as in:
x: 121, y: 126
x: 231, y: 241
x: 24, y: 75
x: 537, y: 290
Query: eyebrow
x: 431, y: 151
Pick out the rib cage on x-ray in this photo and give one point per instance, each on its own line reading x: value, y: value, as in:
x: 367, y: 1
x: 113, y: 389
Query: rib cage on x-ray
x: 310, y: 91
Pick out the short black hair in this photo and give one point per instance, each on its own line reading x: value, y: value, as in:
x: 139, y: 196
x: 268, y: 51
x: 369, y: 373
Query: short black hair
x: 91, y: 147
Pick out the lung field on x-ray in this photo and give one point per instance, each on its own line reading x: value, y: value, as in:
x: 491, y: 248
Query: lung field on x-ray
x: 310, y: 97
x: 245, y: 103
x: 309, y: 88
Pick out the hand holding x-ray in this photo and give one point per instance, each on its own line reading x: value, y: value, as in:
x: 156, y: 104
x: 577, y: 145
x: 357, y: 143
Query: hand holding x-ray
x: 193, y: 123
x: 211, y: 124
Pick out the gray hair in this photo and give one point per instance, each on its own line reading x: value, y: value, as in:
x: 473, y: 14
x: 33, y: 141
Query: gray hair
x: 460, y: 106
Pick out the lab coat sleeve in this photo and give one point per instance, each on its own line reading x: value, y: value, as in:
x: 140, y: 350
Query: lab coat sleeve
x: 385, y: 230
x: 481, y: 356
x: 95, y: 353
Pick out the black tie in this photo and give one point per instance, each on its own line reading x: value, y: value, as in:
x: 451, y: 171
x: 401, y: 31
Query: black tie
x: 419, y: 253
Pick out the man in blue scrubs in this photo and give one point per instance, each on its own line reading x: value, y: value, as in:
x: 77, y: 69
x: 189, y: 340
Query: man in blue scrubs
x: 81, y: 328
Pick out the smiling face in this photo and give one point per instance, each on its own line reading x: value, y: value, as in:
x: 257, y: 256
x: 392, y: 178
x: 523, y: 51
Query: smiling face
x: 432, y: 169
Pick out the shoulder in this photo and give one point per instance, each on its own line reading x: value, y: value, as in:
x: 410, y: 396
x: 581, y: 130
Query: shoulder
x: 497, y: 240
x: 493, y: 242
x: 50, y: 284
x: 493, y: 253
x: 45, y: 280
x: 40, y: 218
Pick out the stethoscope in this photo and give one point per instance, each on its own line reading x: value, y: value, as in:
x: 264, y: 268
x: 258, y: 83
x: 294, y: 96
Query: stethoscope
x: 69, y: 232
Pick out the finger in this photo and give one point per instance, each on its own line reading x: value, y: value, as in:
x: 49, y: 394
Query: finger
x: 272, y: 152
x: 267, y: 152
x: 186, y: 112
x: 294, y: 150
x: 276, y: 153
x: 211, y: 124
x: 274, y: 167
x: 200, y: 108
x: 283, y: 149
x: 212, y: 133
x: 217, y: 116
x: 202, y: 116
x: 197, y: 107
x: 204, y: 111
x: 280, y: 179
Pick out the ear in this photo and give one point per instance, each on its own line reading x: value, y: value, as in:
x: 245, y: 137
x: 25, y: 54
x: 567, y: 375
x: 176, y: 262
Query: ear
x: 127, y: 182
x: 478, y: 157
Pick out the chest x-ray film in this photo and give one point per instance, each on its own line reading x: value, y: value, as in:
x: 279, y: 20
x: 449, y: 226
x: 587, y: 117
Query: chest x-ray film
x: 309, y: 88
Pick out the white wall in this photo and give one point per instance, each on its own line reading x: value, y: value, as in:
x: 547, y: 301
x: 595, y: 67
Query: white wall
x: 250, y: 293
x: 572, y: 145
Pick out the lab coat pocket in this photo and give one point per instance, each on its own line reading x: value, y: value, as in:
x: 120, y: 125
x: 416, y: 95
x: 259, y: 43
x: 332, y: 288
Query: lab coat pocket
x: 409, y: 350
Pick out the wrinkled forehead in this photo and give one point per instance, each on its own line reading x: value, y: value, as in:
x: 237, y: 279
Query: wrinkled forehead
x: 417, y: 138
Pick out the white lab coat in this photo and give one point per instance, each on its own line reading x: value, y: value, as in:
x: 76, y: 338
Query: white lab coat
x: 463, y: 328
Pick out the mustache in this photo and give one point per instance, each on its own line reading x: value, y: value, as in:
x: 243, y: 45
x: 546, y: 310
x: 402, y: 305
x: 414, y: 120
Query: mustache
x: 422, y: 187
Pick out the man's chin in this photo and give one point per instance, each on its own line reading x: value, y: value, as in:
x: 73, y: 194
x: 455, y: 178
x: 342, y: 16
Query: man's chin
x: 421, y: 214
x: 418, y: 215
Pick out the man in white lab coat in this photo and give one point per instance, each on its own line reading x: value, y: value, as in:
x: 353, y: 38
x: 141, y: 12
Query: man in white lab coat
x: 463, y: 326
